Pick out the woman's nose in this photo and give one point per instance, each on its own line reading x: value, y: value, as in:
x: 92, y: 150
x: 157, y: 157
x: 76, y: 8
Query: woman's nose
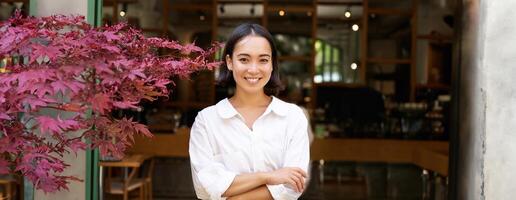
x: 253, y: 67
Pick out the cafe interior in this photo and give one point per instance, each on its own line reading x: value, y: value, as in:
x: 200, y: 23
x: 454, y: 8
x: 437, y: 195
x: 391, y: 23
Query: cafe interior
x: 375, y: 77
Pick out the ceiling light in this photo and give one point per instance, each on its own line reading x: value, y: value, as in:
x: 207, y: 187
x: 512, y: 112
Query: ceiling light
x: 354, y: 27
x: 347, y: 14
x: 354, y: 66
x: 123, y: 12
x: 252, y: 9
x: 281, y: 13
x: 221, y: 8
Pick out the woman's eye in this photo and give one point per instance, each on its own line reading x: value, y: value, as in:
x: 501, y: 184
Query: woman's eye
x: 264, y: 60
x: 243, y: 60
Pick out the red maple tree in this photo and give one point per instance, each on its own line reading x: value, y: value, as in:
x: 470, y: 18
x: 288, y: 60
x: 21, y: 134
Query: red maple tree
x: 64, y: 79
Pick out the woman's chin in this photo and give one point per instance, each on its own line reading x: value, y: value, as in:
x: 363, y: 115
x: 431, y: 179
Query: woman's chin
x: 252, y: 88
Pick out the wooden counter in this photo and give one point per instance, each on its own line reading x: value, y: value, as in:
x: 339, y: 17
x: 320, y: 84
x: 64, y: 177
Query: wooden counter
x: 432, y: 155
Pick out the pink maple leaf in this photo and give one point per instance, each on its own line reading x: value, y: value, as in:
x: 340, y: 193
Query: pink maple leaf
x: 35, y: 102
x: 41, y: 51
x: 110, y: 36
x: 136, y: 73
x: 189, y: 48
x: 100, y: 103
x: 76, y: 145
x: 142, y: 129
x: 48, y: 124
x: 59, y: 85
x: 66, y: 124
x: 125, y: 104
x: 5, y: 116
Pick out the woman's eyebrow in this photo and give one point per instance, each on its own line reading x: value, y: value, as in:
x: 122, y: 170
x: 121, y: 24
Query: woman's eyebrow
x: 262, y: 55
x: 244, y: 54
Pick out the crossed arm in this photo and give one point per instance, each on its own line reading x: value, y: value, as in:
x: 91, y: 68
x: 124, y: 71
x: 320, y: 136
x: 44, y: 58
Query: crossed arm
x: 253, y: 185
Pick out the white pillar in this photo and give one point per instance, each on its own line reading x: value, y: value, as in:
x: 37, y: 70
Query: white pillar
x: 487, y: 101
x: 500, y: 92
x: 77, y: 168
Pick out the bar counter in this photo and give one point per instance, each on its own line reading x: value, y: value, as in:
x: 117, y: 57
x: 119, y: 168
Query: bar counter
x: 431, y: 155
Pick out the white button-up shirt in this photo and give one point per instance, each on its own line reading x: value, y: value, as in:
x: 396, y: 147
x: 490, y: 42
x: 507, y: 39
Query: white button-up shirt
x: 222, y: 146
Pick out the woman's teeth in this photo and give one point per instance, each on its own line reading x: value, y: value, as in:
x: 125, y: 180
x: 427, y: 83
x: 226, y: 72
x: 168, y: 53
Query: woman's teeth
x: 252, y: 80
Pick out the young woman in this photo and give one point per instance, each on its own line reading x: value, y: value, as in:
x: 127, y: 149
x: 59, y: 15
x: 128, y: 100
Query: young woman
x: 251, y: 145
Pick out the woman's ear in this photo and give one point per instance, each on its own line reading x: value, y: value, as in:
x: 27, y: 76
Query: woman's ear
x: 229, y: 63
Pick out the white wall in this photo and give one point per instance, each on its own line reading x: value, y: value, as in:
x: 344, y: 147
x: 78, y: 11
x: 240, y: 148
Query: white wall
x: 487, y: 110
x: 77, y: 190
x: 499, y: 64
x: 50, y: 7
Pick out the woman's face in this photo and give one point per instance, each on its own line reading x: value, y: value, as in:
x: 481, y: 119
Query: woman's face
x: 251, y: 63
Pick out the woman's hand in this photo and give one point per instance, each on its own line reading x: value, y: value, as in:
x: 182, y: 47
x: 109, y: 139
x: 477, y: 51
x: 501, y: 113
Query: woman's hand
x: 293, y: 176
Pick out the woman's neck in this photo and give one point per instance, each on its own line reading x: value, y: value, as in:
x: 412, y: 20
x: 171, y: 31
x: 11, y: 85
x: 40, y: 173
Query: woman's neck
x: 242, y: 99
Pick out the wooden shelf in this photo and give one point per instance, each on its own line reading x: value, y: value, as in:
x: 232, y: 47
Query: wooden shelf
x: 338, y: 20
x: 438, y: 86
x: 15, y: 1
x: 384, y: 76
x: 340, y: 85
x: 191, y: 7
x: 291, y: 8
x: 432, y: 155
x: 348, y: 3
x: 389, y: 11
x: 188, y: 104
x: 110, y: 2
x: 306, y: 58
x: 389, y: 61
x: 160, y: 128
x: 443, y: 38
x: 239, y: 1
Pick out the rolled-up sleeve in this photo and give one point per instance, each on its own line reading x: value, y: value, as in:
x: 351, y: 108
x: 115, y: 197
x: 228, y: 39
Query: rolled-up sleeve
x: 297, y: 155
x: 210, y: 178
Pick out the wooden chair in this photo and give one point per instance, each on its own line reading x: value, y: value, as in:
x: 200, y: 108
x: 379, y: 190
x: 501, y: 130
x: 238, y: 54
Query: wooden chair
x: 123, y: 186
x: 8, y: 186
x: 148, y: 170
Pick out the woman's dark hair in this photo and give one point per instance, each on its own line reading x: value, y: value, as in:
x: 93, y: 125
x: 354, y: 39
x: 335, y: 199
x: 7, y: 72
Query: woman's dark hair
x: 226, y: 76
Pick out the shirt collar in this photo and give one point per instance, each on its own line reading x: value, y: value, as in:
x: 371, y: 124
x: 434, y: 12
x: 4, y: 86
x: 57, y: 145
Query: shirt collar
x: 226, y: 110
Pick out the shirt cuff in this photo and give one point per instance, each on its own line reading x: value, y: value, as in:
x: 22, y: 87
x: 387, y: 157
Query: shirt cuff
x: 280, y: 192
x: 220, y: 184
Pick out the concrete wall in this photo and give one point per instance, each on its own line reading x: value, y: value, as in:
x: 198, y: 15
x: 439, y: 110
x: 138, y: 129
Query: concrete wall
x: 77, y: 190
x: 50, y: 7
x: 486, y: 110
x: 500, y: 74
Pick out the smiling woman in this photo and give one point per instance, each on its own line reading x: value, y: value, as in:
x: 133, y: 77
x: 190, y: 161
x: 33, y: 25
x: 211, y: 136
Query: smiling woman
x: 251, y: 145
x: 251, y: 40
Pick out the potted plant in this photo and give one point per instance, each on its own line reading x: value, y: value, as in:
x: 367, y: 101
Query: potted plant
x: 62, y: 77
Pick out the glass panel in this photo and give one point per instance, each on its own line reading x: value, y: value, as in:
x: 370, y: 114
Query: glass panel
x: 330, y: 66
x: 337, y: 49
x: 293, y: 45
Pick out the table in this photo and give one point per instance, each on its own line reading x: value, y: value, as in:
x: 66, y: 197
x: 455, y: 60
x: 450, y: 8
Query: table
x: 130, y: 160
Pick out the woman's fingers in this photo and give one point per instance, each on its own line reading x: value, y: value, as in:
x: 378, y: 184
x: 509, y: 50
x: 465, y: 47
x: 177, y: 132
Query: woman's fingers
x: 293, y: 184
x: 299, y: 185
x: 302, y: 172
x: 299, y: 173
